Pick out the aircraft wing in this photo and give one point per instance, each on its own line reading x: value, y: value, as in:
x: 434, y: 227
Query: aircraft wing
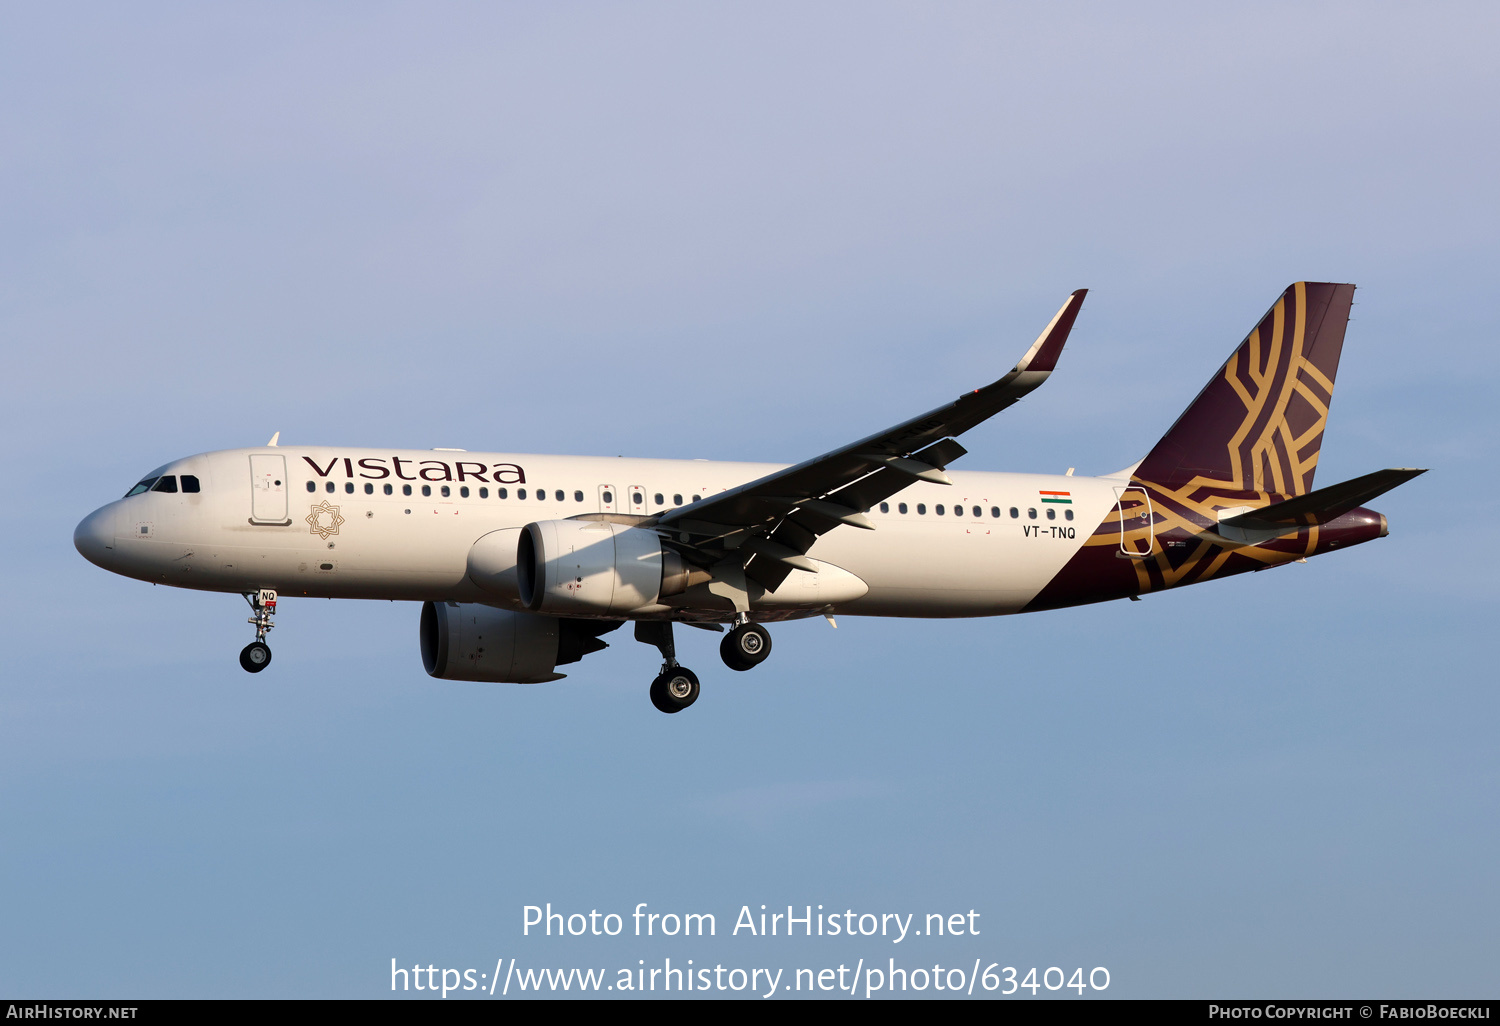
x: 766, y: 526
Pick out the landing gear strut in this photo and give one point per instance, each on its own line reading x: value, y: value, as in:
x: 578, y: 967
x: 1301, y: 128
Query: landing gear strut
x: 256, y: 656
x: 746, y: 645
x: 676, y: 687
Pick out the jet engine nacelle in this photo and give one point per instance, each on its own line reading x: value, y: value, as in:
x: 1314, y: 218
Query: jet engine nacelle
x: 594, y: 568
x: 470, y: 641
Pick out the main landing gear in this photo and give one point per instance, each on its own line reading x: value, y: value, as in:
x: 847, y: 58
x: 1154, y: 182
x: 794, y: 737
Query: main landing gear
x: 676, y: 687
x: 256, y: 656
x: 746, y: 645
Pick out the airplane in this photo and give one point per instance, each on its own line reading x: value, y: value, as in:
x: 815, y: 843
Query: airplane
x: 523, y: 562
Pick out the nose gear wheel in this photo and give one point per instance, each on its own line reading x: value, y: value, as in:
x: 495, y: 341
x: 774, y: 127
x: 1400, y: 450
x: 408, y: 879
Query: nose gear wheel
x: 255, y: 656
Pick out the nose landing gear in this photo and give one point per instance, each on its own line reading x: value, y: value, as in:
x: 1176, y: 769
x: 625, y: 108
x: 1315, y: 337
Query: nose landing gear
x: 256, y: 656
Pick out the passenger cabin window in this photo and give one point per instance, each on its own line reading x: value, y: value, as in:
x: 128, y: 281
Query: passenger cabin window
x: 1051, y: 513
x: 608, y: 497
x: 520, y: 493
x: 541, y: 494
x: 885, y: 507
x: 938, y: 509
x: 676, y: 500
x: 406, y: 489
x: 921, y: 508
x: 995, y: 512
x: 502, y: 493
x: 661, y: 500
x: 697, y: 497
x: 328, y: 487
x: 369, y: 488
x: 387, y: 489
x: 1067, y: 514
x: 312, y: 486
x: 427, y: 489
x: 637, y: 498
x: 1031, y: 513
x: 901, y: 507
x: 978, y: 512
x: 445, y: 490
x: 143, y: 486
x: 578, y: 496
x: 484, y: 493
x: 559, y: 495
x: 168, y: 483
x: 1014, y: 513
x: 349, y: 487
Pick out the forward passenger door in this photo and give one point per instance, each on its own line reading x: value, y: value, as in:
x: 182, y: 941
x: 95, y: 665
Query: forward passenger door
x: 268, y: 491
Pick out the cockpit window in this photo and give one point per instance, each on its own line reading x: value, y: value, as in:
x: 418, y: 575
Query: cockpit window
x: 144, y: 486
x: 189, y: 483
x: 166, y: 483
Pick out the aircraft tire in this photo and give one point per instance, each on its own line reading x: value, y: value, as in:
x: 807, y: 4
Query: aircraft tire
x: 255, y: 656
x: 745, y: 647
x: 674, y: 690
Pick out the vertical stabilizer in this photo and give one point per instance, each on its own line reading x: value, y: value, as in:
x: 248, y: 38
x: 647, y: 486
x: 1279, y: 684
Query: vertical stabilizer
x: 1257, y: 426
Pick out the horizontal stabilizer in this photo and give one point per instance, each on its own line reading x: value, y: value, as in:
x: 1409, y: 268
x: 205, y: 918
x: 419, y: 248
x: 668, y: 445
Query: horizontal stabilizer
x: 1323, y: 504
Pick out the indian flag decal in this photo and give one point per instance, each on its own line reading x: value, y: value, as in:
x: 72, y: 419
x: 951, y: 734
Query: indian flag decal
x: 1063, y: 497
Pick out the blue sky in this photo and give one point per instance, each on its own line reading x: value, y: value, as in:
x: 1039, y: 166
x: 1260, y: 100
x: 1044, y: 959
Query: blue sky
x: 745, y: 232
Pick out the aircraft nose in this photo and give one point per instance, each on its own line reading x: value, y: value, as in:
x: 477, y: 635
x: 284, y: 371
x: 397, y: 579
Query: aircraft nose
x: 94, y: 537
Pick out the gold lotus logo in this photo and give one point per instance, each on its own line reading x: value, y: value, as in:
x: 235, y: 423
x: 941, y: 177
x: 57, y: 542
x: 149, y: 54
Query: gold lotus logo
x: 324, y: 520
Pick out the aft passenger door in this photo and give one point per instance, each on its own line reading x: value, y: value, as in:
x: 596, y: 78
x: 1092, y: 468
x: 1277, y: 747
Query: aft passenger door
x: 1137, y: 521
x: 268, y: 493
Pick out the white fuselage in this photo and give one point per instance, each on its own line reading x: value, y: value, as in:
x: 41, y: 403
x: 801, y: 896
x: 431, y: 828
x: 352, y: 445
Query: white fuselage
x: 394, y: 524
